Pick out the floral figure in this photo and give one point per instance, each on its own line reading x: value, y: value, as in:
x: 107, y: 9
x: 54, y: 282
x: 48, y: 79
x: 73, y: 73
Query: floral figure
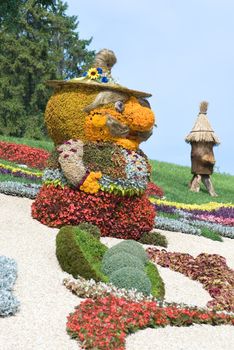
x: 97, y: 126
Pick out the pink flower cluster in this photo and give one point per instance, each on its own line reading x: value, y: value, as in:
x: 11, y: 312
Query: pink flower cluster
x: 216, y: 219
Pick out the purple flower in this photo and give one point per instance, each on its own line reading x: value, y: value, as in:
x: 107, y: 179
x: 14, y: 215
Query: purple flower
x: 84, y: 74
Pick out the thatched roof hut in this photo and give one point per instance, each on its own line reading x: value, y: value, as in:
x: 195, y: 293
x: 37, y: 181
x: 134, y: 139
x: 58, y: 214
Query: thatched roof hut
x: 202, y: 130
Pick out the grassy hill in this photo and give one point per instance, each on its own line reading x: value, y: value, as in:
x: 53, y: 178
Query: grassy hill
x: 174, y: 179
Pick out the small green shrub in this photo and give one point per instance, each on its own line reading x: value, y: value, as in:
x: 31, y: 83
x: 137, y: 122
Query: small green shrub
x: 79, y: 253
x: 130, y: 247
x: 129, y: 278
x: 206, y: 232
x: 92, y: 229
x: 154, y: 238
x: 158, y: 288
x: 120, y: 260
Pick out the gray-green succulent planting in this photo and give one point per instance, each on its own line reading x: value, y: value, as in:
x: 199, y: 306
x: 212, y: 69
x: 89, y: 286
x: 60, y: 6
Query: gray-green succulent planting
x: 131, y: 278
x: 19, y: 189
x: 120, y: 260
x: 9, y: 304
x: 176, y: 225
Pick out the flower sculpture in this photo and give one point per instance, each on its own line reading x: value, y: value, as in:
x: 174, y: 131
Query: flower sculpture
x: 97, y: 172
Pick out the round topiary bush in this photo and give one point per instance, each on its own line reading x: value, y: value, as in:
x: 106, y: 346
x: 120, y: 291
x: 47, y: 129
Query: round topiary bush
x: 154, y: 238
x: 120, y: 260
x: 130, y: 247
x: 131, y: 278
x: 92, y: 229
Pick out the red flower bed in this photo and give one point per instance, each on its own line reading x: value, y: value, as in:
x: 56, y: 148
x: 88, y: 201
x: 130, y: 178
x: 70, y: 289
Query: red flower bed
x: 209, y: 269
x: 104, y: 323
x: 154, y: 190
x: 116, y: 216
x: 33, y: 157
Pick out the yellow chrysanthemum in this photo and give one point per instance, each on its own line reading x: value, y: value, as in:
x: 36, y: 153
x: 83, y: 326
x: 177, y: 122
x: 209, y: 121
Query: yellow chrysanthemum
x: 99, y: 120
x: 91, y: 184
x: 129, y: 144
x: 93, y: 73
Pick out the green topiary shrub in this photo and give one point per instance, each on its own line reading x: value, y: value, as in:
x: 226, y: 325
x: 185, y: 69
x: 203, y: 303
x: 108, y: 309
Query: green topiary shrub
x: 129, y: 278
x: 80, y: 253
x: 130, y: 247
x: 93, y: 229
x: 120, y: 260
x: 158, y: 288
x: 154, y: 238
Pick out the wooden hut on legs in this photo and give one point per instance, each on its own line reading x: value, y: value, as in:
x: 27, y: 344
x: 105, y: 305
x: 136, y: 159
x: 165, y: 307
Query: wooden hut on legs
x: 202, y: 139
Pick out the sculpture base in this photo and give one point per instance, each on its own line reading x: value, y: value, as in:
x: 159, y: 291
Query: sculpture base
x: 116, y: 216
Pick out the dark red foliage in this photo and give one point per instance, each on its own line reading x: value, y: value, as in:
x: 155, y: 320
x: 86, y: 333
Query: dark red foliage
x: 116, y: 216
x: 209, y: 269
x: 154, y: 190
x: 105, y: 322
x: 33, y: 157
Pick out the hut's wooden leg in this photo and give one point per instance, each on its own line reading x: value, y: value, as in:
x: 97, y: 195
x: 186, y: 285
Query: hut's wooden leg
x: 195, y: 183
x: 209, y: 186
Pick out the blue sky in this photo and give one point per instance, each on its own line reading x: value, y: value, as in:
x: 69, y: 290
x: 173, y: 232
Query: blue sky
x: 180, y: 51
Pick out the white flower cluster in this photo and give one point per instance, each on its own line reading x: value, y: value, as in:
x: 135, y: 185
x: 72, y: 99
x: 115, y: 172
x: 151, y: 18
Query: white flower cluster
x: 91, y: 289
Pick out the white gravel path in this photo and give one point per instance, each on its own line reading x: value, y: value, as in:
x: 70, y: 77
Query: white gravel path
x: 178, y: 338
x: 45, y: 303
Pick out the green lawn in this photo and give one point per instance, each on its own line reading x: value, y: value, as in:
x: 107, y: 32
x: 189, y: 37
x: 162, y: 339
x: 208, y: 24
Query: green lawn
x: 174, y: 180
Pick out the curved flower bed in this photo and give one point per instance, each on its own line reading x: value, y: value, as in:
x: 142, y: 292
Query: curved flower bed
x: 104, y: 323
x: 191, y: 218
x: 23, y: 154
x: 219, y: 213
x: 209, y: 269
x: 19, y: 172
x: 201, y: 207
x: 19, y: 189
x: 215, y: 219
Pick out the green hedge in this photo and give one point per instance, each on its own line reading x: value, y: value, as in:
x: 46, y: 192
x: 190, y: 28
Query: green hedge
x: 80, y: 253
x: 158, y: 288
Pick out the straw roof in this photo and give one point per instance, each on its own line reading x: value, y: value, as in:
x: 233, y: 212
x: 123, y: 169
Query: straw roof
x: 202, y: 130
